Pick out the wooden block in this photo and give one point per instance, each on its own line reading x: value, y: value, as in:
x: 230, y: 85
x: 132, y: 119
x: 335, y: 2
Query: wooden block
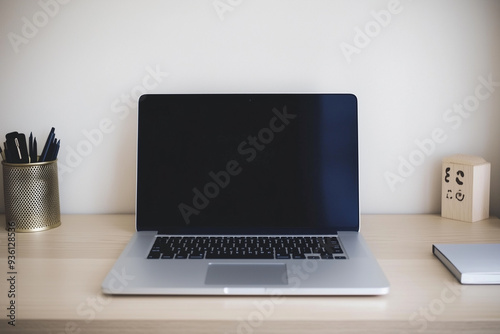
x: 465, y: 188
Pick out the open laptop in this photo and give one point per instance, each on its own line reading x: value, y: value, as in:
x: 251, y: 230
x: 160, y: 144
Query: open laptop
x: 247, y: 194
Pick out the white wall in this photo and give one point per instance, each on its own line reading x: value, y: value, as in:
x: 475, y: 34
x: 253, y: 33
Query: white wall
x: 80, y: 65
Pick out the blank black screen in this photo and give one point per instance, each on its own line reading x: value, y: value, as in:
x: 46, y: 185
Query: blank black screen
x: 248, y: 163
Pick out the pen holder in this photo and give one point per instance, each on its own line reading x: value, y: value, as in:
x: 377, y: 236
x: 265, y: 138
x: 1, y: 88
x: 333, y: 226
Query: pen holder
x: 31, y: 193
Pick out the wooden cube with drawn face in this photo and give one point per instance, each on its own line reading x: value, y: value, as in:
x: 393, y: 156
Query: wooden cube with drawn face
x: 465, y: 188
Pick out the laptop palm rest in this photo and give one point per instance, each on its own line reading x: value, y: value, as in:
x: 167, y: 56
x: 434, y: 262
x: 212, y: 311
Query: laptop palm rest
x: 246, y: 274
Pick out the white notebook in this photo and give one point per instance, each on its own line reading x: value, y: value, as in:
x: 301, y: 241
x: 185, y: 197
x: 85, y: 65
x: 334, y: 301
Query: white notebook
x: 471, y: 263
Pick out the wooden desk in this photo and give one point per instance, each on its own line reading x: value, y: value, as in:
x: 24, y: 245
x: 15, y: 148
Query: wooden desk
x: 59, y: 273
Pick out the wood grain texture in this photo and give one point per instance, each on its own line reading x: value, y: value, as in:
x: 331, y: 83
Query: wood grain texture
x: 60, y: 272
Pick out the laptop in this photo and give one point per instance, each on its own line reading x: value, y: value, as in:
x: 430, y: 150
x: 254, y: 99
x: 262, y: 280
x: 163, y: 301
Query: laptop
x: 247, y: 194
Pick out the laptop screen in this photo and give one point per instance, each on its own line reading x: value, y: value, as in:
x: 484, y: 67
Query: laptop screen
x: 248, y: 163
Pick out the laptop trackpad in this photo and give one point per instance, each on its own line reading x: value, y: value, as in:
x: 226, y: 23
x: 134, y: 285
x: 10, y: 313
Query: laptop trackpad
x: 246, y: 274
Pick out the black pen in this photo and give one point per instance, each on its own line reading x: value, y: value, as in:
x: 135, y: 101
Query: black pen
x: 56, y: 150
x: 50, y: 152
x: 48, y: 143
x: 30, y: 146
x: 34, y: 157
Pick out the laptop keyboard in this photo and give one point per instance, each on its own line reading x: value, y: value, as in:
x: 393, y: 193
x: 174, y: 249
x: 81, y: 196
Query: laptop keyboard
x: 261, y: 247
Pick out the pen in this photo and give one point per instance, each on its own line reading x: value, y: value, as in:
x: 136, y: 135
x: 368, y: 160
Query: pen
x: 6, y: 152
x: 46, y: 147
x: 50, y: 151
x: 34, y: 156
x: 56, y: 150
x: 30, y: 147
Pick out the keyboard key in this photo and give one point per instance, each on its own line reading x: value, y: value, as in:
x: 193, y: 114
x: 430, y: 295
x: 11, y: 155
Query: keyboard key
x: 154, y: 255
x: 181, y: 256
x: 167, y: 256
x: 282, y: 257
x: 196, y: 256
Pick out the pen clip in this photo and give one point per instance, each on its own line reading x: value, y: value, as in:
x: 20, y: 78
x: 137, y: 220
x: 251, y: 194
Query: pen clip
x: 16, y: 140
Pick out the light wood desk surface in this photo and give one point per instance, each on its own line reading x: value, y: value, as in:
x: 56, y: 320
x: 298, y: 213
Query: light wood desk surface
x: 59, y: 273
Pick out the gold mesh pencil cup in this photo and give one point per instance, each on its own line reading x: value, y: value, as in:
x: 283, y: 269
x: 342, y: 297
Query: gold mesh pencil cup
x: 31, y: 194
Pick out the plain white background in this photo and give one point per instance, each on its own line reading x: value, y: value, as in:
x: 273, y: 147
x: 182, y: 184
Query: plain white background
x: 426, y: 73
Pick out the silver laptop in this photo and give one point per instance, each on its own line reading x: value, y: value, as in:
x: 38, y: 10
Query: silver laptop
x: 242, y: 194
